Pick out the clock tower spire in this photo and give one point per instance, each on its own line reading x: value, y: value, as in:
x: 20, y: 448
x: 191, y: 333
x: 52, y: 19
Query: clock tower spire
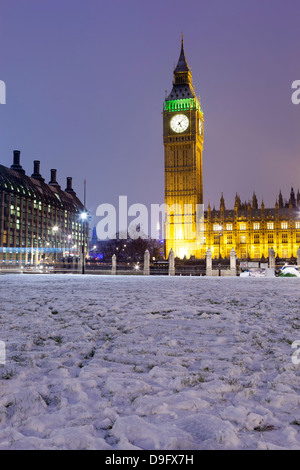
x: 182, y: 81
x: 183, y: 146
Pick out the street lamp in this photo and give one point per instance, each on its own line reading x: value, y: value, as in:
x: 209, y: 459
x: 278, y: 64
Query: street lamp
x: 55, y: 230
x: 220, y: 235
x: 69, y: 243
x: 83, y: 217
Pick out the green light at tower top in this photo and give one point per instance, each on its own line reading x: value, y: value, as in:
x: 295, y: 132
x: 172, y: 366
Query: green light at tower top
x: 182, y: 105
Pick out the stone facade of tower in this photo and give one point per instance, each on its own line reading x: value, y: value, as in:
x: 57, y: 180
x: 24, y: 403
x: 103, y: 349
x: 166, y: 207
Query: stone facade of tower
x: 183, y: 146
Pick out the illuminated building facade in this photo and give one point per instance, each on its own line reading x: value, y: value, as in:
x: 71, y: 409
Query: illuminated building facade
x: 248, y: 229
x: 38, y: 221
x: 251, y: 230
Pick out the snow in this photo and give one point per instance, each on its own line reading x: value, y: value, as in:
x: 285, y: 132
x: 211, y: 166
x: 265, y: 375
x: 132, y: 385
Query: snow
x: 149, y: 362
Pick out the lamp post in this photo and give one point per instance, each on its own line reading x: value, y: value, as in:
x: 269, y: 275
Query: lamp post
x: 69, y: 244
x: 83, y: 218
x: 94, y: 252
x: 47, y: 251
x: 55, y: 230
x: 220, y: 235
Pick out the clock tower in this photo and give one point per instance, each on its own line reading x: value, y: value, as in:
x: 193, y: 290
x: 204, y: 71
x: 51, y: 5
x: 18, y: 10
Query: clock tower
x: 183, y: 146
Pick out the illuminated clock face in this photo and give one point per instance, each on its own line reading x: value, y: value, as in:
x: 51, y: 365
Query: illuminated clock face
x: 179, y: 123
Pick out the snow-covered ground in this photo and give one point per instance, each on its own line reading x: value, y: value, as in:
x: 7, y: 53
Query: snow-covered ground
x: 135, y: 362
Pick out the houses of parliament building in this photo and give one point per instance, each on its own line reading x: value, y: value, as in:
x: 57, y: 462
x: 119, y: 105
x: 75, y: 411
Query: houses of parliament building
x: 249, y: 228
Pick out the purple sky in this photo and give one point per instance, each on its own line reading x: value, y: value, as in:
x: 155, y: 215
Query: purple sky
x: 86, y: 81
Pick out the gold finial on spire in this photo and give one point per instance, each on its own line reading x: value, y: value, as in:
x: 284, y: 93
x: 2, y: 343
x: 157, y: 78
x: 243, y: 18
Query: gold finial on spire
x: 182, y: 37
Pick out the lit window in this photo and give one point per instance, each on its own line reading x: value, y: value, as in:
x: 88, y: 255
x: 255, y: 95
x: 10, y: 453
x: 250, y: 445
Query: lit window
x: 242, y: 226
x: 270, y: 226
x: 297, y: 224
x: 256, y: 226
x: 285, y: 253
x: 284, y: 225
x: 229, y: 226
x: 217, y: 227
x: 243, y: 239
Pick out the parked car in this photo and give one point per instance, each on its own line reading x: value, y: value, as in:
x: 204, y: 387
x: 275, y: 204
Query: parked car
x: 289, y: 266
x: 44, y: 267
x: 289, y: 271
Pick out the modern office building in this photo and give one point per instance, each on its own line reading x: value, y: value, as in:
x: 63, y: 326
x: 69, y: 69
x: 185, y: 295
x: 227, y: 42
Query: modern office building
x: 39, y: 222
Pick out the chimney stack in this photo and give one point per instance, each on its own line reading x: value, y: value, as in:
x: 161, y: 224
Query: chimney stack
x: 69, y: 188
x: 16, y: 162
x: 53, y: 181
x: 36, y: 171
x: 36, y: 167
x: 17, y: 154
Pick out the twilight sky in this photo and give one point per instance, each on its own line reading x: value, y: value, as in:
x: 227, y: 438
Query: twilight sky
x: 86, y: 81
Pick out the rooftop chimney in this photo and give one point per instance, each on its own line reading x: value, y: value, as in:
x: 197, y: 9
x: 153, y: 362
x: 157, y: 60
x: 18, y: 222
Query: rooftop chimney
x: 53, y: 181
x: 16, y: 162
x: 36, y: 171
x: 69, y: 188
